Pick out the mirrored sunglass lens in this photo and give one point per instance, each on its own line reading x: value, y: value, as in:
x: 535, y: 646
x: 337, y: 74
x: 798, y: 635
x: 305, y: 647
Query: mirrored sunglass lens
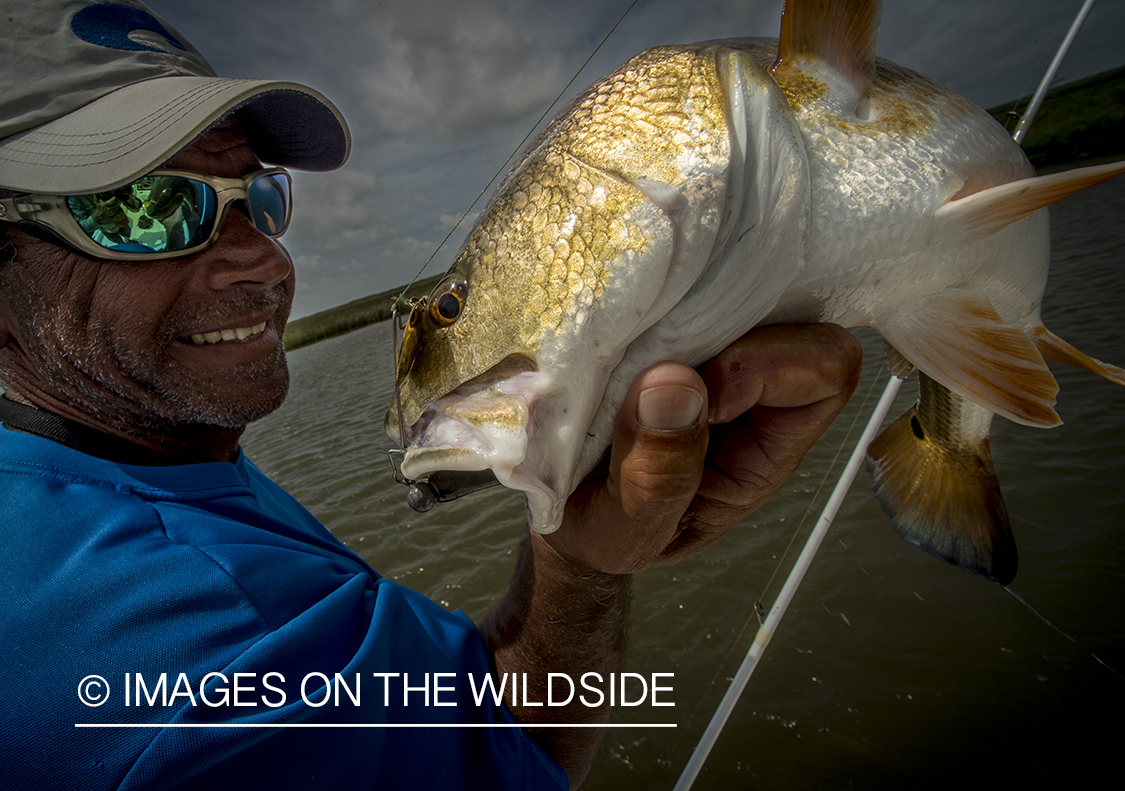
x: 268, y: 196
x: 154, y: 214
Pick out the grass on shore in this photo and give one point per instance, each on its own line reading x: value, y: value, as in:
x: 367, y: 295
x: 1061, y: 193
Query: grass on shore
x: 351, y: 316
x: 1079, y: 122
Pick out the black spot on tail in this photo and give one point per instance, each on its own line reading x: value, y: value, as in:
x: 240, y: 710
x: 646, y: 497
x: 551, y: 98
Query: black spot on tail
x: 916, y: 427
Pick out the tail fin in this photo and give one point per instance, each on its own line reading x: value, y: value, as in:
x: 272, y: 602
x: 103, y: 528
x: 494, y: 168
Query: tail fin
x: 942, y: 495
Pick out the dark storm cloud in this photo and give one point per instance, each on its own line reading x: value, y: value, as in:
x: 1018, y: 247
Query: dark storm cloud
x: 438, y: 93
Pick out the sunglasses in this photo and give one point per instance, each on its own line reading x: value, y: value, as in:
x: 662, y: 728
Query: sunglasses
x: 165, y: 214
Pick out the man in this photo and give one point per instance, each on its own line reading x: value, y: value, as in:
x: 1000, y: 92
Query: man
x: 153, y: 567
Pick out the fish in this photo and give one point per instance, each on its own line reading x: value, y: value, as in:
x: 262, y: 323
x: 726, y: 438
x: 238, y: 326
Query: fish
x: 702, y: 190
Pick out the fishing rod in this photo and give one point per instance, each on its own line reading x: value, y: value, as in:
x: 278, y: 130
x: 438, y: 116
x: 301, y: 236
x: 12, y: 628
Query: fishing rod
x: 843, y: 484
x: 1049, y: 77
x: 767, y: 629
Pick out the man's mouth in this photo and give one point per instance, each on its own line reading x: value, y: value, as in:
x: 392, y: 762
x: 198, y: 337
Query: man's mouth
x: 238, y: 334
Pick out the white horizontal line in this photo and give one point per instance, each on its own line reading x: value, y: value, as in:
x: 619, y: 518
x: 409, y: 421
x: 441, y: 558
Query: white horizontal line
x: 369, y: 725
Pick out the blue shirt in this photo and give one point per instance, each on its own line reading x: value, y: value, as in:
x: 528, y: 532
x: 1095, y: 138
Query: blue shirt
x: 128, y: 585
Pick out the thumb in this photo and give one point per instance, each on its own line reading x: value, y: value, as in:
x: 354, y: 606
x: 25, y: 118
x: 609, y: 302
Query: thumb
x: 660, y: 443
x: 621, y: 519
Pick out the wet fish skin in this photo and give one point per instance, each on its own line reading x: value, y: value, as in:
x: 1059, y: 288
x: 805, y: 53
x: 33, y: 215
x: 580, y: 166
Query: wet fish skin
x: 596, y: 235
x: 701, y: 190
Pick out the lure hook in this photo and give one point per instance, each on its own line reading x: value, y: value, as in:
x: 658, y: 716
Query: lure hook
x: 442, y: 486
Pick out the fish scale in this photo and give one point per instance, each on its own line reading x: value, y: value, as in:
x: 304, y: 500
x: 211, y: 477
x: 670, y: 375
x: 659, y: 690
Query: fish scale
x: 701, y: 190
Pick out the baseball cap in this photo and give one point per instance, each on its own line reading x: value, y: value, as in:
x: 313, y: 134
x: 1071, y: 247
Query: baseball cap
x: 94, y: 95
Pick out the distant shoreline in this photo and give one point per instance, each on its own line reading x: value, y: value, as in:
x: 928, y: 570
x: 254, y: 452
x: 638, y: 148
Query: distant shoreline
x: 352, y: 315
x: 1080, y: 123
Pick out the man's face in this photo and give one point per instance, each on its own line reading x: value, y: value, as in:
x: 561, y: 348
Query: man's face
x: 130, y: 344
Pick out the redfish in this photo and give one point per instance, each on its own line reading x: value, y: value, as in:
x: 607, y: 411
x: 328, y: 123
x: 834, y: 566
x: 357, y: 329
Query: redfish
x: 702, y: 190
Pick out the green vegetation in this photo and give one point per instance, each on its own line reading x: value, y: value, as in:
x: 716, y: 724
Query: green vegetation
x: 1078, y: 123
x: 352, y: 316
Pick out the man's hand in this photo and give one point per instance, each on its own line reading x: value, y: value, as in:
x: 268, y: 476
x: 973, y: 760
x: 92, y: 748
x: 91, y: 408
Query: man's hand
x: 680, y: 475
x: 693, y: 452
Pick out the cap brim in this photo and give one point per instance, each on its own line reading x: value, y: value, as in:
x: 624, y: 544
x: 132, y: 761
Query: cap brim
x: 135, y: 129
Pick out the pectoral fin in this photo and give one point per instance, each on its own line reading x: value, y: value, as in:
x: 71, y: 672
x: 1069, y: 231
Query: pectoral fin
x: 984, y: 213
x: 958, y: 339
x: 896, y: 363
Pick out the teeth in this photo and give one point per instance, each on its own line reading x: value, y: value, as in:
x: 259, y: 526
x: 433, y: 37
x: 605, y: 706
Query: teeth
x: 236, y: 334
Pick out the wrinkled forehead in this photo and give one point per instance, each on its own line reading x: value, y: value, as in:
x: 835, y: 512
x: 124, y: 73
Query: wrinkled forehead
x: 224, y: 145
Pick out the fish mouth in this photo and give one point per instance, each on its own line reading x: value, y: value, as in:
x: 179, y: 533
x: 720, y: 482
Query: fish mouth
x: 485, y: 429
x: 484, y: 424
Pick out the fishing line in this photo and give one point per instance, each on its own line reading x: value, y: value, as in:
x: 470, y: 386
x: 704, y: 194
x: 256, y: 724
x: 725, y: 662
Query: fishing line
x: 742, y: 676
x: 1039, y: 615
x: 1035, y: 100
x: 399, y: 300
x: 1034, y: 70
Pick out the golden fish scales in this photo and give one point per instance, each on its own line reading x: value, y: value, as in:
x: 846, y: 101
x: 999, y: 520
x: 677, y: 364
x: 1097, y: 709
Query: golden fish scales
x: 559, y: 214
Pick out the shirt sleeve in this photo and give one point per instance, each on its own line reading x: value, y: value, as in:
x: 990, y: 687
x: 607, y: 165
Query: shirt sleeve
x: 406, y: 707
x: 217, y: 636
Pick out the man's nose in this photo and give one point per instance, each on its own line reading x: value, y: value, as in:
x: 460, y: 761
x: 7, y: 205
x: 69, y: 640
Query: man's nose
x: 243, y: 257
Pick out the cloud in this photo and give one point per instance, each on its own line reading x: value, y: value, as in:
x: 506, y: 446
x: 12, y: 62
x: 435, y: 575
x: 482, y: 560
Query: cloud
x: 477, y: 68
x: 325, y: 281
x: 439, y: 92
x: 448, y: 221
x: 346, y: 240
x: 333, y: 210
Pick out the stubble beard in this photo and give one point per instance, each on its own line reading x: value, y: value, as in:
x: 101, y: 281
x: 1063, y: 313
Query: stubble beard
x: 233, y: 398
x: 150, y: 391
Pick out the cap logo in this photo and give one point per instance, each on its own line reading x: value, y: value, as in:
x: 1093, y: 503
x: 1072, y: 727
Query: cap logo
x: 109, y: 25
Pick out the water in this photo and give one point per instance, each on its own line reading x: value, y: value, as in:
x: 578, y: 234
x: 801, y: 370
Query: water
x: 891, y: 669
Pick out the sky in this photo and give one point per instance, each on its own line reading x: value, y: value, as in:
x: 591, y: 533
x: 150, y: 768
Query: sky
x: 438, y: 93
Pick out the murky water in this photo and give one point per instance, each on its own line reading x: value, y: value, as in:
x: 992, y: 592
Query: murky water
x: 891, y: 669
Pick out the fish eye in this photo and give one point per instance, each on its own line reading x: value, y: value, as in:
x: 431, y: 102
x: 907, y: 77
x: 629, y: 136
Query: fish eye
x: 447, y: 302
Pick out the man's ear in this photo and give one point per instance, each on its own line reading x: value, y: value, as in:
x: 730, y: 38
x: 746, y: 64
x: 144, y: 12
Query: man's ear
x: 5, y: 322
x: 7, y: 251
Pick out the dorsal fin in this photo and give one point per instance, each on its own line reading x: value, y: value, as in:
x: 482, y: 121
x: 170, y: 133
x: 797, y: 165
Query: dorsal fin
x: 986, y: 212
x: 841, y: 34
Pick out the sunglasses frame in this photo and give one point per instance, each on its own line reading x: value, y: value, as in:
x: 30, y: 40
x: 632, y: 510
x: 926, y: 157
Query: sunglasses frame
x: 54, y: 214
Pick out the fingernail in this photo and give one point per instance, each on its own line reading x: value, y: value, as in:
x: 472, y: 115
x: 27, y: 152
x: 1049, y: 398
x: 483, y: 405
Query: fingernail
x: 669, y: 408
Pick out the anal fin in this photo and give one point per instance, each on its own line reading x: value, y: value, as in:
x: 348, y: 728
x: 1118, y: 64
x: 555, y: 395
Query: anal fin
x: 958, y: 339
